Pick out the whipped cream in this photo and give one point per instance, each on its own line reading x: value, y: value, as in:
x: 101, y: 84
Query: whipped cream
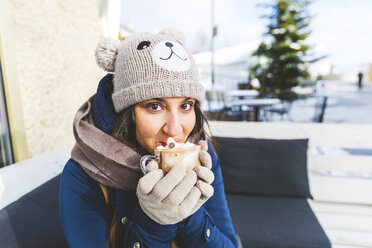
x: 172, y: 144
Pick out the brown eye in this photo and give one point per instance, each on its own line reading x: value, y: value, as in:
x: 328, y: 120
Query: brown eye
x: 187, y: 106
x: 143, y: 45
x: 154, y: 106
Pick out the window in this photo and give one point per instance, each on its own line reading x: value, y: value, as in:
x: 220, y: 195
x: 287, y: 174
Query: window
x: 13, y: 147
x: 6, y: 153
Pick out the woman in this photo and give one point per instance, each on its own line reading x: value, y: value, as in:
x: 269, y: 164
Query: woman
x: 105, y: 199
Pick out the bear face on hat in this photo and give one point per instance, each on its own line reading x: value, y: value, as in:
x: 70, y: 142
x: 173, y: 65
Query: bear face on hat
x: 148, y: 66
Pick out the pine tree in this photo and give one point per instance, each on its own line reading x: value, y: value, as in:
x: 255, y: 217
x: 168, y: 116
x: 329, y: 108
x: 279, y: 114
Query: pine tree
x: 281, y: 56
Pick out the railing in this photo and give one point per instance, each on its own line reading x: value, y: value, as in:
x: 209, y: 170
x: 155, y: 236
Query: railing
x: 222, y: 81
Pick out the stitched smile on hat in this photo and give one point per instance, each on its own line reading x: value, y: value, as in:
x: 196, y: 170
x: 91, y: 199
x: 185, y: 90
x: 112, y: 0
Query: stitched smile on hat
x: 171, y: 56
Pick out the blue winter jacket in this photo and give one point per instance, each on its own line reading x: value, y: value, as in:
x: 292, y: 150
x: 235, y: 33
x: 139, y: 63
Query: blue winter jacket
x: 86, y: 218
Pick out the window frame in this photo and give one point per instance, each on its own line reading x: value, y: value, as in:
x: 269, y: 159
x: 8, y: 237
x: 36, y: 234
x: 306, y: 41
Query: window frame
x: 13, y: 99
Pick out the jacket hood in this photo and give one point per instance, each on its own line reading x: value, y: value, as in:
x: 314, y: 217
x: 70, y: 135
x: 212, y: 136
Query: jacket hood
x: 104, y: 114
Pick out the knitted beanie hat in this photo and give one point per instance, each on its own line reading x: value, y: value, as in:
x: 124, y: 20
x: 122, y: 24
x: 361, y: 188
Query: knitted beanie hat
x: 148, y: 66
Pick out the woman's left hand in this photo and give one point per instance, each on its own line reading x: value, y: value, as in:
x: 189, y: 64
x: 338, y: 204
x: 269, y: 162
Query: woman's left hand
x: 205, y: 175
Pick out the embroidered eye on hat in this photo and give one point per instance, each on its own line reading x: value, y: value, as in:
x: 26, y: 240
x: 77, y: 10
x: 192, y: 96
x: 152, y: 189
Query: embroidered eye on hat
x: 148, y: 66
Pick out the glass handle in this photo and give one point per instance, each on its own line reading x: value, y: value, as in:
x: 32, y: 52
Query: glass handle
x: 144, y: 161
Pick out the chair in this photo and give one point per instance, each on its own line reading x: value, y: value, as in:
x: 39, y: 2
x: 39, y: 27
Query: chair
x: 215, y: 100
x: 282, y: 109
x: 320, y: 106
x: 237, y: 113
x: 235, y: 110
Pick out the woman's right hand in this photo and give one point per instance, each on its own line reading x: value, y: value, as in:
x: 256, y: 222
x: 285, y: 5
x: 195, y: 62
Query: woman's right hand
x: 168, y: 199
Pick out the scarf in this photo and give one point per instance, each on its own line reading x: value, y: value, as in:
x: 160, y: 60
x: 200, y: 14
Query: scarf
x: 103, y: 158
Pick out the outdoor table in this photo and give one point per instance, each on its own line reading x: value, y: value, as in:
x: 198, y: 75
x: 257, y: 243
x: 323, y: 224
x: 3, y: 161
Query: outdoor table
x: 242, y: 93
x: 255, y: 103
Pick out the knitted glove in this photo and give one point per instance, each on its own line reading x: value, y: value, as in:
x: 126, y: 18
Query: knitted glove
x: 205, y: 176
x: 171, y: 198
x: 168, y: 199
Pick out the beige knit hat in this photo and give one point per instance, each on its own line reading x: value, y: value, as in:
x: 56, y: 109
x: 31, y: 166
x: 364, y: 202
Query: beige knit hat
x: 149, y: 66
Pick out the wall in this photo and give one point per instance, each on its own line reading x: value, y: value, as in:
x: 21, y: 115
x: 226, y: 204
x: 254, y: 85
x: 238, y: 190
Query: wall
x: 54, y: 46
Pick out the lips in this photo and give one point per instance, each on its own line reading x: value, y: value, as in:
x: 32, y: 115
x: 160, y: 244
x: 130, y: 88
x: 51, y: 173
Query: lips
x: 164, y: 142
x: 161, y: 143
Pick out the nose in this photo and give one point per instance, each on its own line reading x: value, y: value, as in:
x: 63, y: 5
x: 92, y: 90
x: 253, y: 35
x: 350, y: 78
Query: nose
x: 168, y: 44
x: 172, y: 126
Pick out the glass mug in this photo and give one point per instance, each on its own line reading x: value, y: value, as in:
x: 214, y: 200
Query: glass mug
x: 167, y: 158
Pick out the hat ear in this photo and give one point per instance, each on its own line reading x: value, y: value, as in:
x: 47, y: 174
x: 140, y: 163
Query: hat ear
x: 175, y: 33
x: 106, y: 53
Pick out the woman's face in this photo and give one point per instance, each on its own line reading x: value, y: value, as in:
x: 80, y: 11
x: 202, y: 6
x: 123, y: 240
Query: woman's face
x: 160, y: 118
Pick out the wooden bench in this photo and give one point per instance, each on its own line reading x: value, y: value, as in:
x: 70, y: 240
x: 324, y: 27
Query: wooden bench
x: 340, y: 182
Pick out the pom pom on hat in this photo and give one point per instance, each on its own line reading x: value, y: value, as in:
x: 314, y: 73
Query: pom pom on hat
x: 106, y: 53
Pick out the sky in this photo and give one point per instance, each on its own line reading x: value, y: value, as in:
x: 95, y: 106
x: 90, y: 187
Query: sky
x: 341, y: 29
